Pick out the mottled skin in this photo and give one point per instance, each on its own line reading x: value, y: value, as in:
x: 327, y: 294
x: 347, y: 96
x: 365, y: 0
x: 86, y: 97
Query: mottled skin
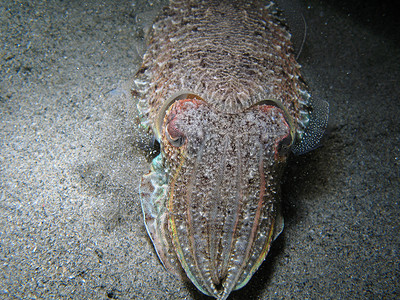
x: 231, y: 53
x: 222, y: 92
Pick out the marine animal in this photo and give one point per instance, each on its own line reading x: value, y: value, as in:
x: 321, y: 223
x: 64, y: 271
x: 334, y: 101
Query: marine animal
x: 222, y: 92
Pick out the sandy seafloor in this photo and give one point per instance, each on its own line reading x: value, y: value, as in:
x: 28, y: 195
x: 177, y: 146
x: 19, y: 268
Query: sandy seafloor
x: 71, y: 157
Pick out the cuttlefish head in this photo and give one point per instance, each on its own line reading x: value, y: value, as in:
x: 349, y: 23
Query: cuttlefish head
x: 211, y: 199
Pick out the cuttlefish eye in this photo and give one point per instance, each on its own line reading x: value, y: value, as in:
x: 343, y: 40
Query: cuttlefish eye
x: 178, y: 118
x: 284, y: 144
x: 174, y: 135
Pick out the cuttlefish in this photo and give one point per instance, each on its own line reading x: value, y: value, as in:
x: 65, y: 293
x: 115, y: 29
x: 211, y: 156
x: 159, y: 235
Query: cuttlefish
x: 222, y: 92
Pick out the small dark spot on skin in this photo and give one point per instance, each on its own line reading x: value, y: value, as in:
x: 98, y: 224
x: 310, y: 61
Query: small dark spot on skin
x: 135, y: 93
x: 257, y: 33
x: 250, y: 72
x: 142, y: 70
x: 185, y: 22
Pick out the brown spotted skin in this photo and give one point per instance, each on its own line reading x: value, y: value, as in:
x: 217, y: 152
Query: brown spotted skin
x: 231, y: 53
x: 211, y: 200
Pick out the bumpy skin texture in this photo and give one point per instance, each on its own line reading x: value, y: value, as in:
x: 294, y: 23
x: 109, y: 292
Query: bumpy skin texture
x: 231, y: 53
x: 211, y: 199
